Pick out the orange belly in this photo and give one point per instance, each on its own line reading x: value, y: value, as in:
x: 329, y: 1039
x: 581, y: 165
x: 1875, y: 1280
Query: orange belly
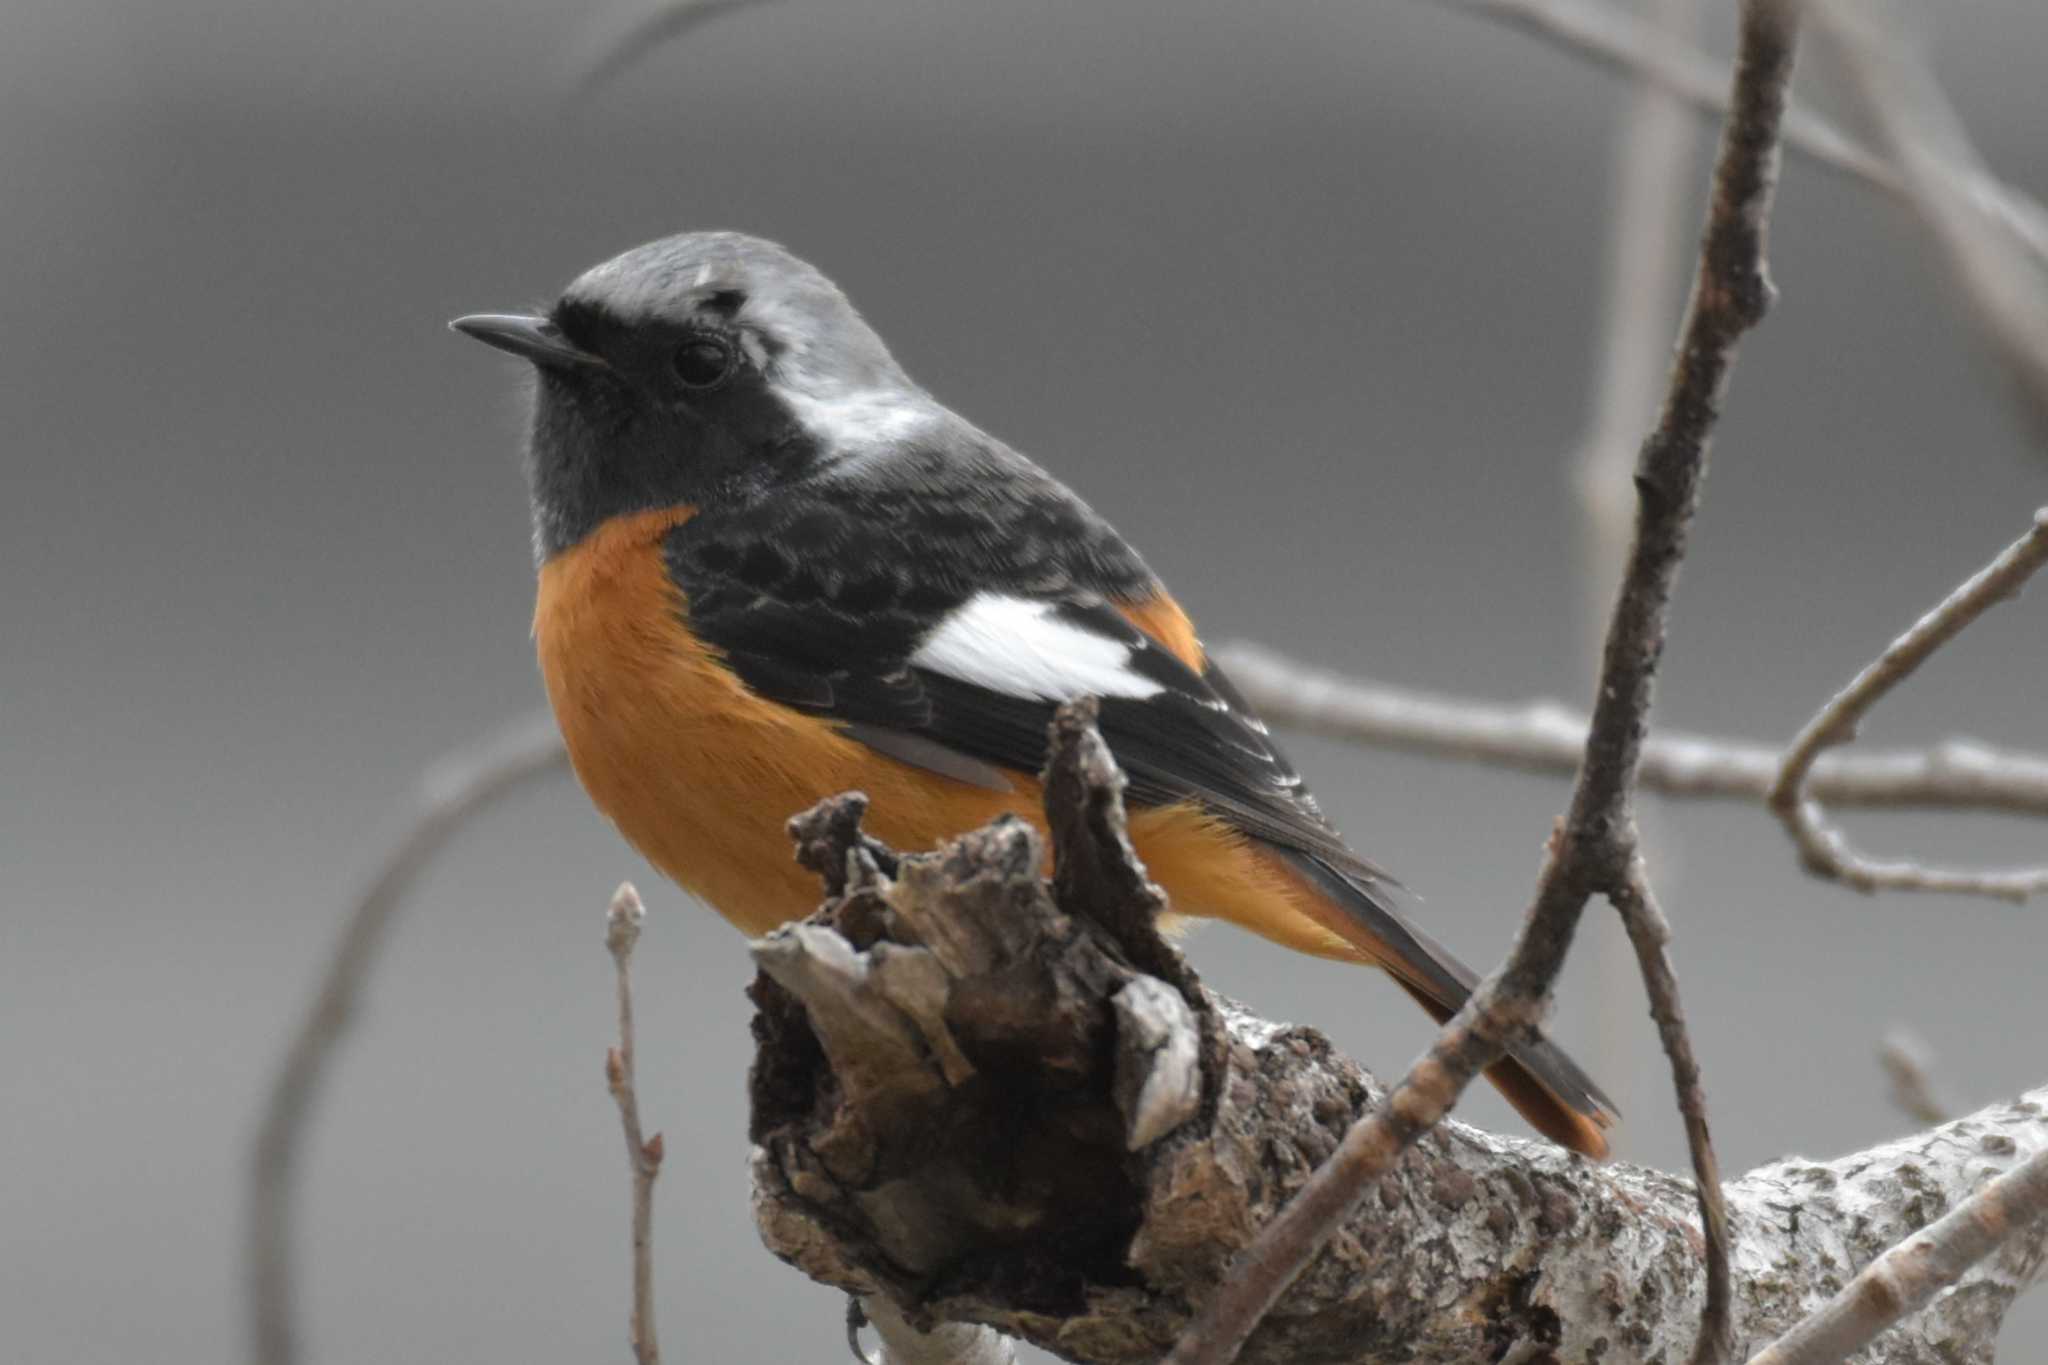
x: 700, y: 774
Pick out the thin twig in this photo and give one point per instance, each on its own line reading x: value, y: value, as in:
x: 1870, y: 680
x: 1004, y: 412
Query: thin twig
x: 1907, y: 1060
x: 609, y: 51
x: 1616, y: 38
x: 1823, y: 849
x: 1650, y: 932
x: 1903, y: 1279
x: 622, y: 921
x: 453, y: 792
x: 1925, y: 140
x: 1547, y: 737
x: 1594, y: 847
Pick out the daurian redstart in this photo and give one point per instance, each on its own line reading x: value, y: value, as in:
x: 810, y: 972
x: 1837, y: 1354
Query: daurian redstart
x: 773, y: 568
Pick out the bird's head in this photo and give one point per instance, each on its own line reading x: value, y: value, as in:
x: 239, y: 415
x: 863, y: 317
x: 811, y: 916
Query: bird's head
x: 703, y: 369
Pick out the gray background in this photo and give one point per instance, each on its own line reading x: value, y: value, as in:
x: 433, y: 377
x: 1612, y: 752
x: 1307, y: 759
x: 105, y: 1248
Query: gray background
x: 1299, y: 295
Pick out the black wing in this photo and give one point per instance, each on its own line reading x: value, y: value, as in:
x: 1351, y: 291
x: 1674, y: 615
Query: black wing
x: 834, y: 610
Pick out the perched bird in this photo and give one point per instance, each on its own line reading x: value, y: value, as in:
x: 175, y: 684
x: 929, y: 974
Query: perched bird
x: 773, y: 568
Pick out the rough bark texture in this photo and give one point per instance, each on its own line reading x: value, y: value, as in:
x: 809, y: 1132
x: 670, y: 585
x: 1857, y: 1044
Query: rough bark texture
x: 947, y: 1112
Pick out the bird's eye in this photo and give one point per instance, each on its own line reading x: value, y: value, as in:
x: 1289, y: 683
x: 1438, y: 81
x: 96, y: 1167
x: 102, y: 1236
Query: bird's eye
x: 702, y: 362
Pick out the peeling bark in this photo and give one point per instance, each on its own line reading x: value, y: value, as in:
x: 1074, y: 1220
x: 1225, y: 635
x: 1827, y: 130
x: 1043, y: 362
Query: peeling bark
x: 1003, y: 1133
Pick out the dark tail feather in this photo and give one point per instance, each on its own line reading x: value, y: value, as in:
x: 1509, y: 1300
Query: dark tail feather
x: 1545, y: 1086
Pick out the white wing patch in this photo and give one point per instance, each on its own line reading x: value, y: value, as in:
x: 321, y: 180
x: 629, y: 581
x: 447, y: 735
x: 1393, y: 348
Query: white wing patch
x: 1021, y: 649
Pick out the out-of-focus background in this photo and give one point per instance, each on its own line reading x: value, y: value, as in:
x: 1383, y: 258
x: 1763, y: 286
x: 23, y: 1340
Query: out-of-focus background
x: 1300, y: 295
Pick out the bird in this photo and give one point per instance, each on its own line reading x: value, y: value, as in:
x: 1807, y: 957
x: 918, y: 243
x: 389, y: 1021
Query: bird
x: 772, y: 568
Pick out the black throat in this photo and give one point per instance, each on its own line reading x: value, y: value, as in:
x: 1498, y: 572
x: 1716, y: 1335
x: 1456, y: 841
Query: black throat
x: 602, y: 447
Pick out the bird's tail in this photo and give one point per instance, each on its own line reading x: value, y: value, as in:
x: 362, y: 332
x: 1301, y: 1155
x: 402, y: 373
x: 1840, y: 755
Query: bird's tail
x: 1545, y: 1086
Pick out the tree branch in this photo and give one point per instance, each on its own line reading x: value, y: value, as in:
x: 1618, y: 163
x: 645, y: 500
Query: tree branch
x: 451, y: 794
x: 1825, y: 850
x: 1017, y: 1192
x: 1903, y: 1279
x: 643, y: 1154
x: 1907, y: 1062
x: 1547, y: 737
x: 1650, y: 933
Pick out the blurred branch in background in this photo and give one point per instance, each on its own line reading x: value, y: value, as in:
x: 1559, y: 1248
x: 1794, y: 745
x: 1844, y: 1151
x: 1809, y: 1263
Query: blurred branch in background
x: 451, y: 793
x: 2009, y: 300
x: 1614, y: 37
x: 611, y: 48
x: 1547, y: 737
x: 622, y: 923
x: 1823, y: 849
x: 1925, y: 139
x: 1908, y: 1063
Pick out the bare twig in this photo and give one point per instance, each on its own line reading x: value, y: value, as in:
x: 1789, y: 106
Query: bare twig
x: 622, y: 923
x: 1926, y: 141
x: 1546, y: 737
x: 1907, y: 1060
x: 1823, y: 849
x: 2011, y: 301
x: 1650, y: 932
x: 1594, y: 848
x: 1616, y: 38
x: 453, y: 792
x: 1903, y: 1279
x: 611, y: 51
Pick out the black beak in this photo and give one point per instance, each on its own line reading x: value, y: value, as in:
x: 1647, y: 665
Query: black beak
x: 533, y: 338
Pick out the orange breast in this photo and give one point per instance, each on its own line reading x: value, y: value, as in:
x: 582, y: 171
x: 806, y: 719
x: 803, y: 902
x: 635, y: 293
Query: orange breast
x: 698, y: 772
